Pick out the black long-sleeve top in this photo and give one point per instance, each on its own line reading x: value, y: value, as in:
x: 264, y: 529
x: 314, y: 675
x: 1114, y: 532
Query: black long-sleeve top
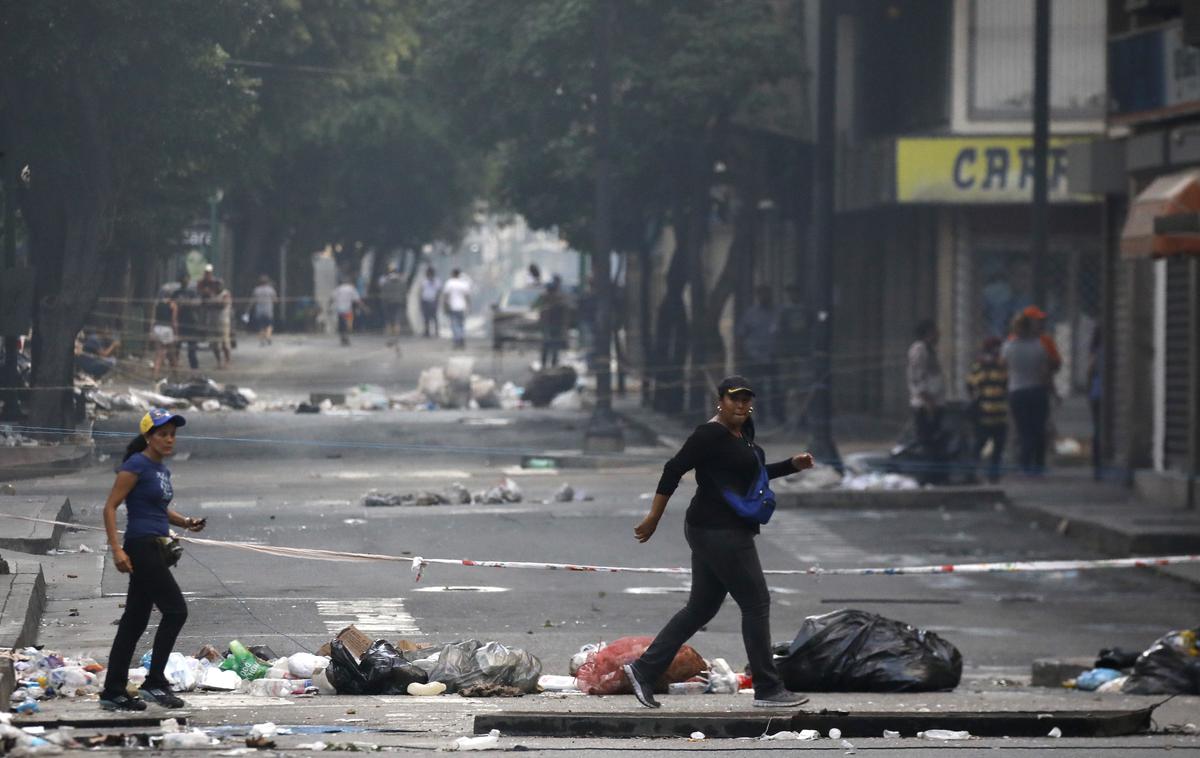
x: 722, y: 460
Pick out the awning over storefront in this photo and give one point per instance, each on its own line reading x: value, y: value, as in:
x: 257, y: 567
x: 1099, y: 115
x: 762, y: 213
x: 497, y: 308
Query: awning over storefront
x: 1152, y: 228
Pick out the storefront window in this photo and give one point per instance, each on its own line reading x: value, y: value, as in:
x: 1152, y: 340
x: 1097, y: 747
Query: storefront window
x: 1001, y: 59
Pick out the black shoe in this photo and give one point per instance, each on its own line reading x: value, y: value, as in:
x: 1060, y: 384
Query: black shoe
x: 780, y: 699
x: 162, y: 696
x: 643, y: 691
x: 120, y: 702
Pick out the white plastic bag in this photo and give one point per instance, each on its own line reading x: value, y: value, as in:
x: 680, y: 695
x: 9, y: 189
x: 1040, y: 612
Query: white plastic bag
x: 303, y: 665
x: 181, y: 672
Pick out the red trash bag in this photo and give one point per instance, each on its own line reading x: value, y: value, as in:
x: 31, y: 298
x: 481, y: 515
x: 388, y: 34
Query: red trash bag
x: 601, y: 673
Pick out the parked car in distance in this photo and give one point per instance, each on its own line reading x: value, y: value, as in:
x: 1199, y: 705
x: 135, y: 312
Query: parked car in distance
x: 514, y: 319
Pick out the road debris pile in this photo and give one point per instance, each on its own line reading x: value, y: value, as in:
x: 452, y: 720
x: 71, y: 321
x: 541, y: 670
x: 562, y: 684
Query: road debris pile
x: 10, y: 438
x: 504, y: 491
x: 197, y: 393
x: 601, y: 672
x: 1170, y: 666
x: 856, y: 651
x: 470, y: 667
x: 42, y: 675
x: 825, y: 477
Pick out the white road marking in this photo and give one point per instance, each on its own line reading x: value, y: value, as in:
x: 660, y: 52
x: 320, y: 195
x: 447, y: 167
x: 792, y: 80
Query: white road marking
x: 381, y: 617
x: 206, y: 504
x: 462, y: 588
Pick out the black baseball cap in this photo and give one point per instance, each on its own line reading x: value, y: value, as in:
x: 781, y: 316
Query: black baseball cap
x: 732, y: 384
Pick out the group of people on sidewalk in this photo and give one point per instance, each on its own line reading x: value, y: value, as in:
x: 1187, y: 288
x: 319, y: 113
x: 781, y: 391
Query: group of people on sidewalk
x: 1011, y: 378
x: 187, y: 314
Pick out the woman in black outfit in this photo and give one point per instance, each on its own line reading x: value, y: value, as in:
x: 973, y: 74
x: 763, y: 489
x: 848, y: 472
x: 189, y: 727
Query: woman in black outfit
x: 724, y: 558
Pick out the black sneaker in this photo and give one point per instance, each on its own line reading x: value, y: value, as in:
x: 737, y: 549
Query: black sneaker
x: 643, y: 691
x: 120, y: 702
x: 780, y: 699
x: 162, y: 696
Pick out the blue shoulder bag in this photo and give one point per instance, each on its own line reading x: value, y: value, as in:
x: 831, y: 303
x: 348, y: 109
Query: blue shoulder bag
x: 758, y: 504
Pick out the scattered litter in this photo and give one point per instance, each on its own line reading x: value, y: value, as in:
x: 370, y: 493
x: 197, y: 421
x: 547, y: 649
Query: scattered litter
x: 426, y: 690
x: 722, y: 679
x: 454, y: 494
x: 875, y: 481
x: 849, y: 746
x: 195, y: 738
x: 506, y: 491
x: 544, y: 386
x: 354, y: 521
x: 1055, y: 732
x: 888, y: 734
x: 835, y: 733
x: 820, y: 477
x: 489, y: 741
x: 806, y: 734
x: 581, y: 657
x: 556, y: 683
x: 696, y: 736
x: 1091, y: 680
x: 943, y: 734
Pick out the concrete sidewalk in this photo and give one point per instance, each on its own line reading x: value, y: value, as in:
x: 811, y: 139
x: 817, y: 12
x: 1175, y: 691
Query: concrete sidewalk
x: 22, y: 582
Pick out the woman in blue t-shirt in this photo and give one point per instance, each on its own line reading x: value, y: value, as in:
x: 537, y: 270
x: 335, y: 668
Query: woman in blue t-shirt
x: 144, y: 485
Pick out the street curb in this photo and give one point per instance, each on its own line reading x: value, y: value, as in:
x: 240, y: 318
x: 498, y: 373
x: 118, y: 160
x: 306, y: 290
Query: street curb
x: 1094, y: 723
x: 1052, y: 672
x: 19, y: 619
x: 41, y: 538
x: 35, y: 462
x: 1105, y: 538
x: 933, y: 498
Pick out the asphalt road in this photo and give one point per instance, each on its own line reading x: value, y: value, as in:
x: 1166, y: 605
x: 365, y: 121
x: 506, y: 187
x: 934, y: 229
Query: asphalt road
x: 298, y: 481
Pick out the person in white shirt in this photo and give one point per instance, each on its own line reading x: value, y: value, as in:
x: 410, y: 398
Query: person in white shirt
x: 344, y: 300
x: 431, y: 289
x: 264, y: 298
x: 456, y: 299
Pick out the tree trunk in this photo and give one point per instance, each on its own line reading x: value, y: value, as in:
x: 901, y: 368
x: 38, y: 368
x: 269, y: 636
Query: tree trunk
x: 68, y: 208
x: 671, y: 326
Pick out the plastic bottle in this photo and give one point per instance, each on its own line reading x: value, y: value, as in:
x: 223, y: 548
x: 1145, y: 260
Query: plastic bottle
x: 687, y: 688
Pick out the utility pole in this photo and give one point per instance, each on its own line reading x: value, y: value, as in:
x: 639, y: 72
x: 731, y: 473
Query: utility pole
x: 1041, y: 143
x: 823, y: 447
x: 603, y: 432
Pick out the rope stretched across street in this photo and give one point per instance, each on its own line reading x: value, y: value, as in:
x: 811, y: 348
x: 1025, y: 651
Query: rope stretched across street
x: 419, y: 563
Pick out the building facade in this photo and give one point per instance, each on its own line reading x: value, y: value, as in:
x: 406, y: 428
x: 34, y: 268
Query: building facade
x: 1148, y: 169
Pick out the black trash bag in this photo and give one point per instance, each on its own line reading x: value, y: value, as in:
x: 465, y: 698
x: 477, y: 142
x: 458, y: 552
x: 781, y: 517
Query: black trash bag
x: 343, y: 672
x: 857, y: 651
x: 263, y: 653
x: 547, y: 384
x: 387, y: 672
x: 456, y: 665
x: 1116, y: 658
x: 1167, y: 667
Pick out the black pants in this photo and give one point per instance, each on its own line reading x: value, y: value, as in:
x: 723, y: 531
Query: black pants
x: 998, y: 434
x: 1029, y: 409
x: 927, y: 423
x: 724, y: 561
x: 150, y: 585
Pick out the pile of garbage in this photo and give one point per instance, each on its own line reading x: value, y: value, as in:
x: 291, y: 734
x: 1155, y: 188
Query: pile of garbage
x: 42, y: 675
x: 1171, y: 666
x: 504, y: 491
x: 197, y: 393
x: 10, y: 438
x: 825, y: 477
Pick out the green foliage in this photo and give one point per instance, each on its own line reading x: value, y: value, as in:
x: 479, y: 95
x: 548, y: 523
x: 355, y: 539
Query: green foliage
x: 518, y: 76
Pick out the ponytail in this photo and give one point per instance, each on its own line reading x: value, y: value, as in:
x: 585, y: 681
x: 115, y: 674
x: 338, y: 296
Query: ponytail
x: 136, y: 445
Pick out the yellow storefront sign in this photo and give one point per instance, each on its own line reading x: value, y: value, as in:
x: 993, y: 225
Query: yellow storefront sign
x: 977, y: 170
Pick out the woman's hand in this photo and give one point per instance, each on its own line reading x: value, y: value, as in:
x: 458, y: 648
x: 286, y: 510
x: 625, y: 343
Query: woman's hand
x: 802, y: 461
x: 645, y: 530
x: 122, y: 562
